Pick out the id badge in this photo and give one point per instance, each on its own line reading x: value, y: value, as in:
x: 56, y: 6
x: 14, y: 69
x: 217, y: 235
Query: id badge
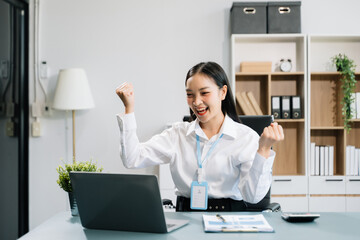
x: 199, y: 195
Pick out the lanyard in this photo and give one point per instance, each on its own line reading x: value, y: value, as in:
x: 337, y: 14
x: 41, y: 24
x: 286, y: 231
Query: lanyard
x: 200, y: 163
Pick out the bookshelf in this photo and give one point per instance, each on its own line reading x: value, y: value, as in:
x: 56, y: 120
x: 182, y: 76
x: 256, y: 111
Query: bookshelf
x: 313, y: 78
x: 289, y: 186
x: 334, y: 193
x: 326, y: 120
x: 290, y: 159
x: 291, y: 154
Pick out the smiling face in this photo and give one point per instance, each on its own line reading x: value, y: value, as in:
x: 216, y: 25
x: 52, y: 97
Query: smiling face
x: 204, y: 98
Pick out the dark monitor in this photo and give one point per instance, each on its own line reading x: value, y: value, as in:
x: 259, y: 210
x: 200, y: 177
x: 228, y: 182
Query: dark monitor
x: 256, y: 122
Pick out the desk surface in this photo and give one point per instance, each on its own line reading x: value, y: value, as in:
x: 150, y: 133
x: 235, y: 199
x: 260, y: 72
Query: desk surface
x: 329, y: 226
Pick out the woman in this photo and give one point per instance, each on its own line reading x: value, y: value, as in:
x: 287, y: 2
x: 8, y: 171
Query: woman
x: 214, y: 160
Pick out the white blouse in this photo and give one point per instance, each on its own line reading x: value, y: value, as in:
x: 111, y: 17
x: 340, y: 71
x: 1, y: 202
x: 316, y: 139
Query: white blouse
x: 234, y: 169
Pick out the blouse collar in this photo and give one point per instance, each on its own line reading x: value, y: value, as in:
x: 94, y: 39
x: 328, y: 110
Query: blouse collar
x: 228, y: 128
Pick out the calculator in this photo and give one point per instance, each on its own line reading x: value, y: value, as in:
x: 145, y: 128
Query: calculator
x: 300, y: 217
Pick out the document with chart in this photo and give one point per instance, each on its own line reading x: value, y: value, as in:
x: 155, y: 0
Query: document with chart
x: 236, y: 223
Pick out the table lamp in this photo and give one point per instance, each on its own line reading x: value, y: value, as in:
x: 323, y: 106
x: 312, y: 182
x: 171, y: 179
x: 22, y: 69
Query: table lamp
x: 73, y: 93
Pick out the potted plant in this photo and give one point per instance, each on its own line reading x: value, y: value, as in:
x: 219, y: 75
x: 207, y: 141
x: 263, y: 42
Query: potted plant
x: 346, y: 67
x: 65, y: 182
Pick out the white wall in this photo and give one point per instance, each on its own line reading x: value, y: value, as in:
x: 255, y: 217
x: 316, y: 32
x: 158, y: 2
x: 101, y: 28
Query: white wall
x: 149, y: 43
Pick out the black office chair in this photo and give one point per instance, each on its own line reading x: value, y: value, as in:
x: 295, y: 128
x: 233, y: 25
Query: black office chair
x: 257, y: 123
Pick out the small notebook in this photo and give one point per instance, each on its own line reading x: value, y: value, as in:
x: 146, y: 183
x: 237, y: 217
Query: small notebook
x: 236, y: 223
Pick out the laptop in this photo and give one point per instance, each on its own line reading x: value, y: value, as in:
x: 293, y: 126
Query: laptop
x: 123, y: 202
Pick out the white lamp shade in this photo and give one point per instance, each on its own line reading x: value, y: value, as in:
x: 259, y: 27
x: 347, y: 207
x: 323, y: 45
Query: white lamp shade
x: 72, y: 90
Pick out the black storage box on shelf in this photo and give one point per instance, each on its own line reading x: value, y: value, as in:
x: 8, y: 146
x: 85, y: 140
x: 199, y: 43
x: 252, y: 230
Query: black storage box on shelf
x: 284, y: 17
x: 248, y: 17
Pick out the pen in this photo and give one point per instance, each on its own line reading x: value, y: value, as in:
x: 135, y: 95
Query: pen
x: 220, y: 217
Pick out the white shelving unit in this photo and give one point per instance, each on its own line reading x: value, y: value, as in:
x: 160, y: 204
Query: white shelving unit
x: 289, y: 186
x: 338, y: 192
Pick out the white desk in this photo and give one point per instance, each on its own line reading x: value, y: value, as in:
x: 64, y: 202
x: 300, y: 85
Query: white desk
x: 330, y: 226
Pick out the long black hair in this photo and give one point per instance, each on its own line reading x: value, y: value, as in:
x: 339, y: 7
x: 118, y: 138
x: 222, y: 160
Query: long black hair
x: 215, y: 72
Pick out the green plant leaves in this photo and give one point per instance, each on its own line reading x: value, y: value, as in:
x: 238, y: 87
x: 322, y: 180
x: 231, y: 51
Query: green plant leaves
x: 346, y: 67
x: 64, y: 178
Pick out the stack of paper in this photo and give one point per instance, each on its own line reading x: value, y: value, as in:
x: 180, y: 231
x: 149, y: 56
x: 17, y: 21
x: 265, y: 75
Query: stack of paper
x: 236, y: 223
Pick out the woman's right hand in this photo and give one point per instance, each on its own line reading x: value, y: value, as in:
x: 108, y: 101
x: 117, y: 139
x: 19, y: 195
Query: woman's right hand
x: 126, y: 93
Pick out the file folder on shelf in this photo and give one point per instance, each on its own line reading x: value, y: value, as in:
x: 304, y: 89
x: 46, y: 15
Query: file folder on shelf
x: 285, y: 107
x: 312, y: 159
x: 353, y: 106
x: 317, y: 160
x: 295, y: 107
x: 275, y: 107
x: 322, y: 160
x: 357, y: 104
x: 326, y: 160
x: 331, y: 160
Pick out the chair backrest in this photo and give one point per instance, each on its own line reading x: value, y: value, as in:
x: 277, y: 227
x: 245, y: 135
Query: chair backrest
x: 258, y: 123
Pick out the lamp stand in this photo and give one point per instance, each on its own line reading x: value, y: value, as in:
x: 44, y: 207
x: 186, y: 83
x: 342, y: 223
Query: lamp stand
x: 73, y: 133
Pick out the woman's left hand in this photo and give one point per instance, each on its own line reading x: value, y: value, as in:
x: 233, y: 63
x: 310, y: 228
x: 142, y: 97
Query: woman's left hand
x: 271, y: 134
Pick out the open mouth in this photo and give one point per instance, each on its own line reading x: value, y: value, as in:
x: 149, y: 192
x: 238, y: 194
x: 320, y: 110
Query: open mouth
x: 202, y: 111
